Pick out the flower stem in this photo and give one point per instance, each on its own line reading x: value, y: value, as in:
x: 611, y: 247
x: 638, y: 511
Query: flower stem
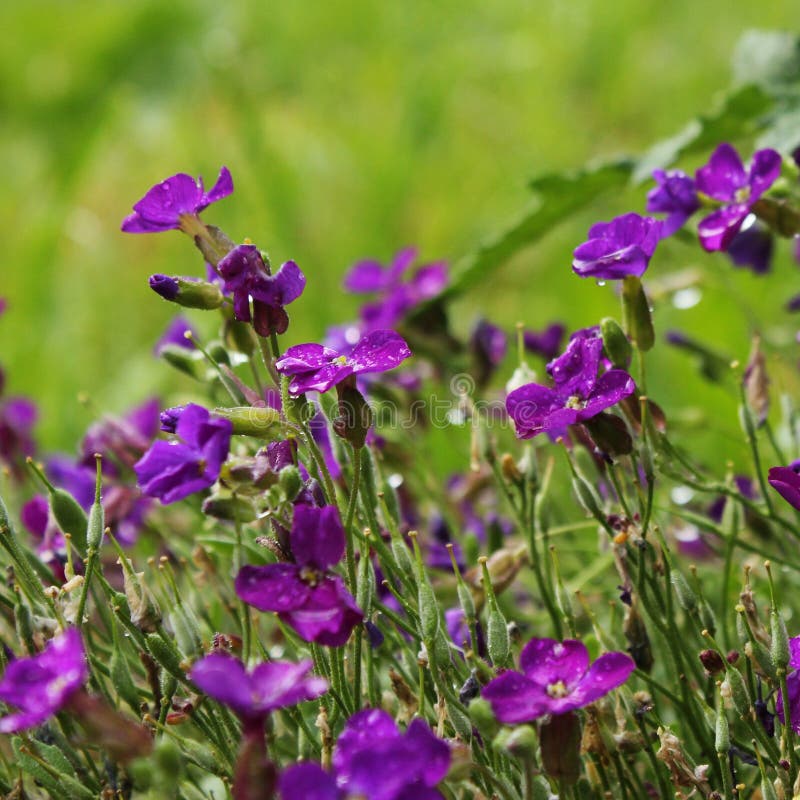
x: 348, y: 522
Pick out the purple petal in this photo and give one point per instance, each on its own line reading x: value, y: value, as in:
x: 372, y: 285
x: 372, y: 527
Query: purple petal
x: 608, y: 672
x: 320, y: 380
x: 329, y: 614
x: 428, y: 281
x: 166, y: 201
x: 279, y: 684
x: 547, y: 661
x: 764, y: 171
x: 366, y: 276
x: 724, y: 174
x: 752, y: 248
x: 718, y: 229
x: 289, y: 283
x: 432, y: 754
x: 272, y: 587
x: 35, y: 514
x: 224, y: 678
x: 164, y: 286
x: 611, y: 387
x: 305, y: 358
x: 307, y: 782
x: 535, y: 408
x: 362, y: 730
x: 786, y: 482
x: 134, y: 223
x: 317, y: 536
x: 575, y: 372
x: 794, y: 652
x: 379, y: 351
x: 515, y: 698
x: 547, y: 343
x: 793, y: 685
x: 222, y: 188
x: 174, y: 334
x: 604, y: 259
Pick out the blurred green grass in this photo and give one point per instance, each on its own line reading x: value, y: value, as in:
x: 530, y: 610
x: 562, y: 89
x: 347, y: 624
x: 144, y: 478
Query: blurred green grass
x: 351, y: 129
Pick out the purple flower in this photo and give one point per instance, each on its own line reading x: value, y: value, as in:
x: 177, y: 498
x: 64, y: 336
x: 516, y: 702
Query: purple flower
x: 547, y: 343
x: 411, y: 764
x: 724, y: 179
x: 618, y: 248
x: 752, y: 248
x: 166, y: 204
x: 314, y: 367
x: 786, y: 482
x: 124, y: 439
x: 246, y: 276
x: 675, y: 196
x: 171, y: 471
x: 17, y: 417
x: 41, y: 685
x: 395, y: 297
x: 306, y: 594
x: 174, y: 335
x: 578, y: 394
x: 556, y: 678
x: 254, y: 693
x: 169, y: 417
x: 488, y: 345
x: 793, y: 686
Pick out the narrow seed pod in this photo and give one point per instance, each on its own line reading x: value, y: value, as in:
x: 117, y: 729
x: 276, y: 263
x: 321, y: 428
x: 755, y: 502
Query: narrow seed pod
x: 165, y: 654
x: 739, y: 693
x: 459, y: 720
x: 366, y: 586
x: 428, y: 610
x: 187, y: 631
x: 686, y: 596
x: 722, y: 740
x: 587, y: 496
x: 402, y: 556
x: 71, y: 518
x: 779, y: 649
x: 23, y: 623
x: 97, y: 519
x: 190, y: 362
x: 497, y: 639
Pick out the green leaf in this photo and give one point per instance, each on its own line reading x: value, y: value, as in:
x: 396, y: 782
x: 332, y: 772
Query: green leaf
x: 783, y: 132
x: 769, y: 59
x: 557, y: 196
x: 738, y: 115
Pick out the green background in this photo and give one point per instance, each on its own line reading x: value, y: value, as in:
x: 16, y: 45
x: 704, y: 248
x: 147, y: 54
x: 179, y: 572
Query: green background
x: 351, y: 129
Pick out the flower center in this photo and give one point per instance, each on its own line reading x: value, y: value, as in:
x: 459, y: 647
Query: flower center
x: 575, y: 403
x: 201, y: 466
x: 742, y: 195
x: 340, y: 361
x: 557, y: 689
x: 310, y: 576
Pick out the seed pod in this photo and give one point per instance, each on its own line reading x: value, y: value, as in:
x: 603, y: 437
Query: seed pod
x: 779, y: 649
x: 23, y: 622
x: 459, y: 720
x: 739, y: 693
x: 190, y: 362
x: 121, y: 674
x: 166, y: 654
x: 497, y: 639
x: 482, y: 716
x: 71, y: 518
x: 187, y: 631
x: 428, y: 610
x: 587, y: 496
x: 686, y: 596
x: 355, y: 415
x: 723, y: 738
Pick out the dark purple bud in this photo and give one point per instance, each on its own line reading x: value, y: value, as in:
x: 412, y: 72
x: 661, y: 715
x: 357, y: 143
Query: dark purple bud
x: 712, y: 661
x: 164, y: 286
x: 169, y: 418
x: 752, y: 248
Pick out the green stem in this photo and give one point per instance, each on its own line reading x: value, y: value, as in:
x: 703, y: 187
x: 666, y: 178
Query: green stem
x: 350, y: 554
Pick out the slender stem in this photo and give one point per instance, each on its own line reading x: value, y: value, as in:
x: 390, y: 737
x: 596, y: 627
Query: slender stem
x: 348, y: 522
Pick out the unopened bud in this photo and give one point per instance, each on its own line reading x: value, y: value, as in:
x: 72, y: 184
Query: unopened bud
x: 712, y: 661
x: 636, y: 313
x: 355, y: 415
x: 260, y: 421
x: 187, y: 292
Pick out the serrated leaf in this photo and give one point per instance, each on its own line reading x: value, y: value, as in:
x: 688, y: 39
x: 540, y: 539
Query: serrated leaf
x: 738, y: 115
x: 558, y: 195
x: 770, y: 59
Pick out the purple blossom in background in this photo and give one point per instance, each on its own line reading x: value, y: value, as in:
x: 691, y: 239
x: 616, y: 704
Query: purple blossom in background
x: 49, y: 540
x: 618, y: 248
x: 254, y: 693
x: 245, y: 276
x: 579, y: 394
x: 488, y: 345
x: 556, y: 678
x: 676, y: 196
x: 724, y: 179
x: 793, y: 304
x: 174, y: 335
x: 793, y: 687
x: 752, y: 248
x: 171, y: 471
x: 306, y: 594
x: 166, y: 204
x: 18, y: 415
x: 546, y: 343
x: 786, y: 481
x: 395, y: 297
x: 374, y: 761
x: 314, y: 367
x: 41, y: 685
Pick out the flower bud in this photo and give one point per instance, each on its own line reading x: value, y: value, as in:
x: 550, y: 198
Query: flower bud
x: 290, y: 481
x: 610, y: 434
x: 260, y: 421
x: 187, y: 292
x: 355, y: 416
x: 428, y: 610
x: 482, y: 716
x: 712, y: 661
x: 636, y: 313
x: 615, y: 343
x: 560, y: 740
x: 229, y: 507
x: 522, y: 743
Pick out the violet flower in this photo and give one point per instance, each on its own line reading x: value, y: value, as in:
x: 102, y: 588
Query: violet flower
x: 786, y: 482
x: 175, y: 335
x: 305, y: 593
x: 246, y: 276
x: 556, y: 678
x: 724, y: 179
x: 752, y: 248
x: 546, y: 343
x: 168, y: 204
x: 676, y: 196
x: 314, y: 367
x: 41, y: 686
x: 18, y: 415
x: 395, y: 296
x: 254, y: 693
x: 488, y: 345
x: 410, y: 764
x: 793, y: 687
x: 579, y: 394
x: 618, y: 248
x: 171, y: 471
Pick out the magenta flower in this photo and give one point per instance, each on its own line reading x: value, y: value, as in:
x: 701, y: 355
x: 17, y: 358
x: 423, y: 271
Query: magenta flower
x: 410, y: 764
x: 579, y: 394
x: 786, y: 482
x: 174, y: 335
x: 546, y: 343
x: 676, y: 196
x: 245, y: 276
x: 166, y: 204
x: 556, y: 678
x: 17, y: 417
x: 793, y: 687
x: 254, y: 693
x: 314, y: 367
x: 618, y: 248
x: 396, y: 297
x: 41, y: 685
x: 724, y: 179
x: 173, y: 470
x: 305, y: 593
x: 488, y: 345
